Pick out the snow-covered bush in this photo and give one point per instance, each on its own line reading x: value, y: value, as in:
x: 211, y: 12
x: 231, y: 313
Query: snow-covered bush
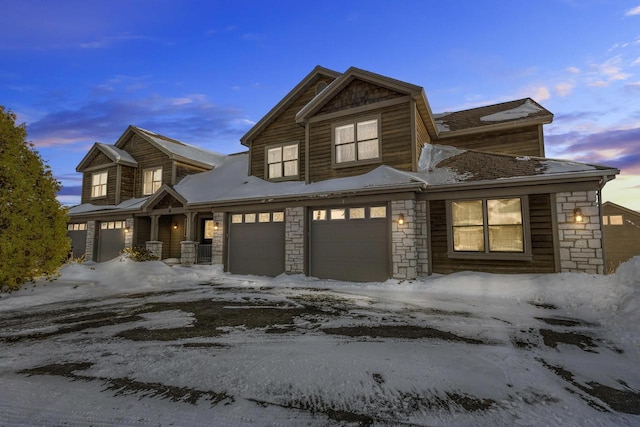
x: 139, y: 254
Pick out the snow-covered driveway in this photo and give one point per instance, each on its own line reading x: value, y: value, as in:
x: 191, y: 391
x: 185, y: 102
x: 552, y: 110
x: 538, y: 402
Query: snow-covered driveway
x: 234, y: 350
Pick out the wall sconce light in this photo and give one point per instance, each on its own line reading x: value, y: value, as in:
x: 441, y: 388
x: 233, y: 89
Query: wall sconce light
x: 127, y: 229
x: 175, y: 226
x: 401, y: 219
x: 577, y: 215
x: 216, y: 225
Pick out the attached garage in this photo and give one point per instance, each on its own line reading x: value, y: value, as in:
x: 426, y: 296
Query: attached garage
x: 350, y: 243
x: 110, y: 240
x: 256, y: 243
x: 78, y: 234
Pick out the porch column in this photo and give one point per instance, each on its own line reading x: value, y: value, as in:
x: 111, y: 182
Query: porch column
x: 128, y: 233
x: 217, y: 243
x: 154, y: 227
x: 294, y: 240
x: 403, y: 239
x: 155, y: 247
x: 91, y: 238
x: 188, y: 252
x: 190, y: 227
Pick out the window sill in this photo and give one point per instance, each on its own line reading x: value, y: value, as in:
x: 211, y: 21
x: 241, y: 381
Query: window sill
x: 99, y: 198
x: 498, y: 256
x: 286, y: 178
x: 357, y: 163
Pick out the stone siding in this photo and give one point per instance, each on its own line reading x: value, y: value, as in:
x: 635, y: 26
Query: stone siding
x: 422, y: 240
x: 91, y: 239
x: 155, y: 247
x: 128, y: 233
x: 217, y: 243
x: 294, y: 240
x: 188, y: 252
x: 580, y: 242
x: 403, y: 240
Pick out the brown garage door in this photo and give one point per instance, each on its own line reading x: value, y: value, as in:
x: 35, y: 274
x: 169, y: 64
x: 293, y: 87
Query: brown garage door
x: 350, y: 243
x: 256, y: 243
x: 110, y: 240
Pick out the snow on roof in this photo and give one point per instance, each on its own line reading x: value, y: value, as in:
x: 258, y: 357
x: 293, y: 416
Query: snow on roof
x: 183, y: 150
x: 524, y: 110
x: 229, y: 182
x: 116, y: 154
x: 130, y: 204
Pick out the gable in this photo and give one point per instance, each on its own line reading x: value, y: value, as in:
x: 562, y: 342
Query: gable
x: 359, y: 93
x: 98, y: 159
x: 166, y: 202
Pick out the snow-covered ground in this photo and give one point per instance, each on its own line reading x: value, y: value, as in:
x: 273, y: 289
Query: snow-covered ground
x: 124, y: 343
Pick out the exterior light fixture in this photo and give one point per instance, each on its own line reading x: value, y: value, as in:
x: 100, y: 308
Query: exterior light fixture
x: 216, y: 225
x: 577, y: 215
x: 175, y: 226
x: 127, y: 229
x: 401, y: 219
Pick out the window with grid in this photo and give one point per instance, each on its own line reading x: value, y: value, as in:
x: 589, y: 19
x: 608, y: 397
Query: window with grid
x: 487, y: 226
x: 282, y: 161
x: 99, y: 184
x: 152, y: 180
x: 357, y: 141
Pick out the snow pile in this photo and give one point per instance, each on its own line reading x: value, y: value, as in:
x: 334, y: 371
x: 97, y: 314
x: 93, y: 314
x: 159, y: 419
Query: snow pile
x: 519, y: 112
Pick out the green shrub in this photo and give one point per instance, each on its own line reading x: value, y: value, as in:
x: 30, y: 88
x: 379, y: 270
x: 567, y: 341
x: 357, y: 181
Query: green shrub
x: 139, y: 254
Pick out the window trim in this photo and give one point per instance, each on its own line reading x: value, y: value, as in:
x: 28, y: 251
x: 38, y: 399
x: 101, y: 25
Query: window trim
x: 266, y: 162
x: 153, y: 169
x: 106, y: 181
x: 526, y: 255
x: 354, y: 121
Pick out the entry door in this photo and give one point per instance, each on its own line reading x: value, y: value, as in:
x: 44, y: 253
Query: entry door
x: 350, y: 243
x: 256, y: 243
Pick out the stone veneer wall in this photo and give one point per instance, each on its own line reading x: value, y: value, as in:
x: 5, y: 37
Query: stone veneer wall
x: 188, y: 252
x: 403, y: 240
x: 91, y: 238
x: 128, y: 235
x: 580, y: 243
x: 155, y: 247
x: 217, y: 243
x: 294, y: 240
x: 422, y: 241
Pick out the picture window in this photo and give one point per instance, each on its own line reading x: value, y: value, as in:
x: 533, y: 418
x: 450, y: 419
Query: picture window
x: 357, y: 141
x: 282, y: 161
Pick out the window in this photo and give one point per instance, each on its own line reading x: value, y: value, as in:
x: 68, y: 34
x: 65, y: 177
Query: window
x: 356, y: 141
x: 338, y: 214
x: 236, y: 218
x: 249, y: 218
x: 487, y: 226
x: 319, y: 215
x: 282, y: 161
x: 99, y: 184
x: 208, y: 229
x: 152, y: 180
x: 264, y: 217
x: 616, y: 220
x: 356, y: 213
x: 378, y: 212
x: 278, y: 217
x: 112, y: 225
x: 77, y: 227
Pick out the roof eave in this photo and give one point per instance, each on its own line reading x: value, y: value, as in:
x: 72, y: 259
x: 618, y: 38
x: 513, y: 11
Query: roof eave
x: 541, y: 120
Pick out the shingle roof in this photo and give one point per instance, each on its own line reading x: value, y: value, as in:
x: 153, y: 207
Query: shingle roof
x: 513, y: 111
x: 117, y: 155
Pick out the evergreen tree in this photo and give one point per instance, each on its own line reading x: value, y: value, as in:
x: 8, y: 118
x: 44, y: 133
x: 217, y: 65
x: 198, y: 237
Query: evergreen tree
x: 33, y: 235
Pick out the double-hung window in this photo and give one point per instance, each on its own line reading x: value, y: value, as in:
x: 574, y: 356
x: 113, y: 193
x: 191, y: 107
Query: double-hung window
x: 99, y: 184
x: 282, y: 161
x: 488, y: 227
x: 357, y: 141
x: 152, y: 180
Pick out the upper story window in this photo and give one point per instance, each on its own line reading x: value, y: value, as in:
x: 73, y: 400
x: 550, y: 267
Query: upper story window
x: 99, y: 184
x: 152, y: 180
x: 612, y: 220
x: 487, y: 227
x: 356, y: 141
x: 282, y: 161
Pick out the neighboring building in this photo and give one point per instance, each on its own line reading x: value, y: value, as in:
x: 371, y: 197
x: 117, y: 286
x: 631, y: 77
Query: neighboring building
x: 352, y: 177
x: 621, y: 234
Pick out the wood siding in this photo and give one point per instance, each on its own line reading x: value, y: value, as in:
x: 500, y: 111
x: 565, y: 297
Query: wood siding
x: 169, y: 236
x: 540, y: 218
x: 283, y: 129
x: 183, y: 170
x: 127, y: 184
x: 98, y: 159
x: 422, y: 135
x: 524, y: 141
x: 621, y: 242
x: 356, y: 94
x: 110, y: 199
x: 395, y: 141
x: 147, y: 157
x: 142, y: 231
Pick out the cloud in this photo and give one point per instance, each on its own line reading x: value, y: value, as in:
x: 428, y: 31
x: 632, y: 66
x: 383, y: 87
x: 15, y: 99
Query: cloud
x: 70, y: 190
x: 608, y: 71
x: 541, y: 94
x: 564, y: 88
x: 573, y: 70
x: 617, y: 148
x: 634, y: 11
x: 636, y: 62
x: 191, y: 118
x: 107, y: 41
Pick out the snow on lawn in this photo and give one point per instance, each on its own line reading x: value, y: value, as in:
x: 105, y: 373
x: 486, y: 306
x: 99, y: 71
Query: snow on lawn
x: 125, y: 343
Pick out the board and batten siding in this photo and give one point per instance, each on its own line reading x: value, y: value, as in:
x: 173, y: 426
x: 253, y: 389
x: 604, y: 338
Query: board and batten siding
x: 621, y: 241
x: 395, y: 142
x: 522, y: 141
x: 543, y: 259
x: 284, y: 129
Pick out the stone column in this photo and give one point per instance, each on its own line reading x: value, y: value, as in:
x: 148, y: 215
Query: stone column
x: 188, y: 252
x: 294, y: 240
x: 155, y: 247
x: 91, y: 239
x: 403, y: 239
x: 128, y: 233
x: 422, y: 241
x: 580, y: 242
x: 217, y: 243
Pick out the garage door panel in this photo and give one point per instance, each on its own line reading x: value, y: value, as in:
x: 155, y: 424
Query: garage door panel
x: 110, y: 240
x: 350, y: 249
x: 256, y: 248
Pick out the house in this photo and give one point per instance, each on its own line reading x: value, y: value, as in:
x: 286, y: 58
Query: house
x: 621, y: 234
x: 351, y: 177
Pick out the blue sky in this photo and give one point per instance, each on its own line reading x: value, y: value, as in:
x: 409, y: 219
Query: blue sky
x: 77, y: 72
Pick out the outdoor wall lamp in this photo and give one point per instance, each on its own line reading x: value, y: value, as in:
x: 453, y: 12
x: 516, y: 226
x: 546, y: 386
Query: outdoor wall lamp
x: 216, y: 225
x: 127, y: 229
x: 577, y: 215
x: 175, y: 226
x: 401, y: 219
